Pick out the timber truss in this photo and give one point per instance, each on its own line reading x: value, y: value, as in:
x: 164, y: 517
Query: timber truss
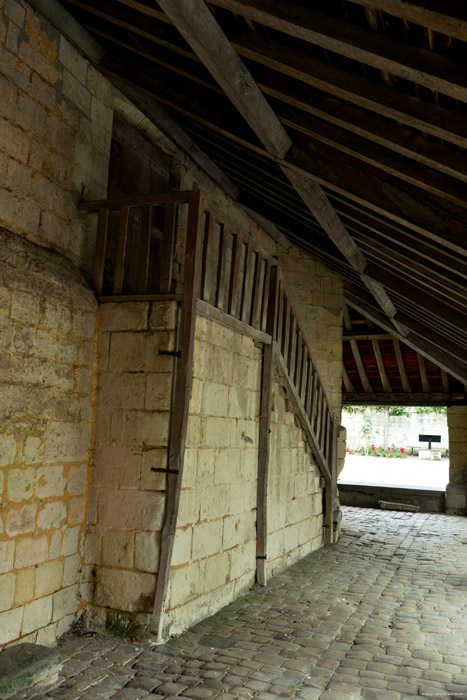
x: 343, y: 122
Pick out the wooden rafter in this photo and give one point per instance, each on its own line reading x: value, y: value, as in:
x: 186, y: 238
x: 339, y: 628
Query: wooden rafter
x: 381, y: 368
x: 368, y: 389
x: 199, y: 28
x: 371, y: 48
x: 423, y: 374
x: 421, y: 343
x: 401, y: 367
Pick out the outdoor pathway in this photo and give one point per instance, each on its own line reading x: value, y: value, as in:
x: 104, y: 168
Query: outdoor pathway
x: 381, y: 615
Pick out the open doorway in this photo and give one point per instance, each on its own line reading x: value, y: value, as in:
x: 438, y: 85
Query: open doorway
x: 396, y: 446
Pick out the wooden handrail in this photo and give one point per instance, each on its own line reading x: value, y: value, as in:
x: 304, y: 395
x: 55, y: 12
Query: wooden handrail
x: 182, y: 197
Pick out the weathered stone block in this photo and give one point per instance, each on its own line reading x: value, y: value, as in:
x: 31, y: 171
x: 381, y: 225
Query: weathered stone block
x: 24, y: 586
x: 122, y: 390
x: 147, y: 551
x: 37, y: 614
x: 65, y: 602
x: 163, y: 316
x: 207, y: 539
x: 7, y: 553
x: 182, y: 546
x: 124, y: 316
x: 51, y: 515
x: 217, y: 571
x: 50, y: 482
x: 10, y: 625
x: 125, y: 590
x: 158, y: 392
x: 31, y: 550
x: 131, y: 510
x: 67, y: 442
x: 7, y: 591
x: 20, y: 484
x: 21, y: 520
x: 77, y: 480
x: 71, y: 570
x: 118, y: 548
x: 48, y: 578
x: 70, y: 541
x: 239, y: 529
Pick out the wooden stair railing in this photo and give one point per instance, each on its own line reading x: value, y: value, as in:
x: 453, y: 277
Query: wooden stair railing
x: 135, y: 243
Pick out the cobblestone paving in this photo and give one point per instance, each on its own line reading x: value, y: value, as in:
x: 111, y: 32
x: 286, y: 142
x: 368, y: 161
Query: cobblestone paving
x: 381, y: 616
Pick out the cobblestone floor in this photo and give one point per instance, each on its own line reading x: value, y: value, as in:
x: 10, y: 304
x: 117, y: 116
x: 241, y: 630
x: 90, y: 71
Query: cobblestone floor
x: 382, y: 615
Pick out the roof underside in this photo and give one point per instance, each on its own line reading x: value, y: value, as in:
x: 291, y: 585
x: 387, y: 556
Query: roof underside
x: 373, y: 97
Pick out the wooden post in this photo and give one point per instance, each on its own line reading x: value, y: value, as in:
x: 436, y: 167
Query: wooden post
x: 101, y: 247
x: 145, y: 249
x: 121, y: 250
x: 267, y: 379
x: 331, y: 487
x: 167, y: 250
x: 180, y: 406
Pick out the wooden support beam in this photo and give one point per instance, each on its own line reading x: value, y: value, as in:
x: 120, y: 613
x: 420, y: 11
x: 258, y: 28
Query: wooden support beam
x: 445, y: 381
x: 349, y: 387
x: 420, y: 343
x: 361, y: 368
x: 421, y: 66
x: 347, y: 319
x: 267, y: 381
x: 197, y: 25
x: 381, y: 368
x: 370, y: 335
x: 423, y: 375
x: 180, y: 402
x: 319, y: 205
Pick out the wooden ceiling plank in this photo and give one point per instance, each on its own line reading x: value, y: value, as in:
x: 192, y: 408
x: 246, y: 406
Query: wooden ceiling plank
x: 354, y: 89
x: 381, y: 369
x: 197, y: 25
x: 371, y: 48
x: 361, y: 368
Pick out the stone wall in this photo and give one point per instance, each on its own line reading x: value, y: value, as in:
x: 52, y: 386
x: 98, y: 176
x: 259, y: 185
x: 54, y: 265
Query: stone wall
x: 55, y: 134
x: 402, y: 431
x: 214, y: 558
x: 47, y: 376
x: 295, y: 501
x: 456, y: 490
x: 128, y: 496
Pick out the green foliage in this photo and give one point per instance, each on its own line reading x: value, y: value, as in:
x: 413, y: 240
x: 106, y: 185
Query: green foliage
x: 397, y: 410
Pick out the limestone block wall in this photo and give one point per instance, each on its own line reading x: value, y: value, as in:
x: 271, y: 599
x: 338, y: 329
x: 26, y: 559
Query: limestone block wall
x: 317, y: 294
x: 47, y: 380
x: 214, y: 557
x: 295, y: 501
x: 55, y: 134
x: 128, y: 496
x: 456, y: 490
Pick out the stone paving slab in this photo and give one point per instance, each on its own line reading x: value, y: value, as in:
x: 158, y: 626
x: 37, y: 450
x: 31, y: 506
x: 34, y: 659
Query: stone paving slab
x: 382, y: 615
